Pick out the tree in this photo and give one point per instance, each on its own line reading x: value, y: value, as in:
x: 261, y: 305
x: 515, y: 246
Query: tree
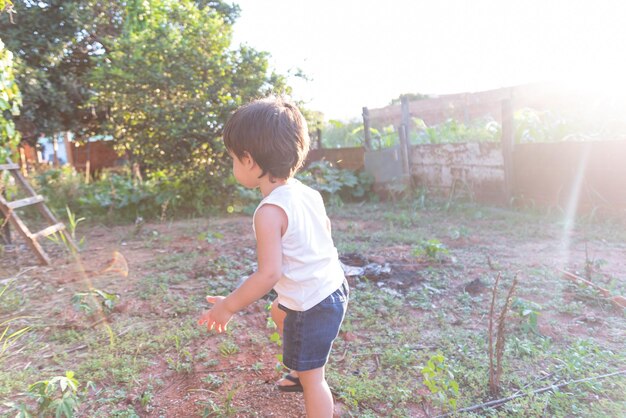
x: 54, y: 42
x: 170, y: 82
x: 10, y: 98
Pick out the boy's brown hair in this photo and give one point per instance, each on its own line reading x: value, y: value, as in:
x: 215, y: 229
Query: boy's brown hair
x: 273, y: 132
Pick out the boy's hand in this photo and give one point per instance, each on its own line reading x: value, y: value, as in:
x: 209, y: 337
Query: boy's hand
x: 218, y: 316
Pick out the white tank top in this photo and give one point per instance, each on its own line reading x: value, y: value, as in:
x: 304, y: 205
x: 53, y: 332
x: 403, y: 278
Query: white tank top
x: 311, y: 268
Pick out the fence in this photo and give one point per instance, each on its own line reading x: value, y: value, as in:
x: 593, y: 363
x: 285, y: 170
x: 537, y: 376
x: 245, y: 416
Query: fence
x: 589, y: 175
x: 95, y: 154
x: 344, y: 158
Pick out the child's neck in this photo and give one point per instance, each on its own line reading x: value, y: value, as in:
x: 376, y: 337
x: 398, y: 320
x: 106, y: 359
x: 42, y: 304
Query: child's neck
x: 266, y: 186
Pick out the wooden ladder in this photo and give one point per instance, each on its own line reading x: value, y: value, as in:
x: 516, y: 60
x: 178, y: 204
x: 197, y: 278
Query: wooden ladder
x: 8, y: 209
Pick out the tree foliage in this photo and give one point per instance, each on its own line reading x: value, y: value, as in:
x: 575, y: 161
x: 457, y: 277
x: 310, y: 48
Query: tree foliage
x: 55, y: 43
x: 160, y: 76
x: 10, y: 101
x: 171, y: 80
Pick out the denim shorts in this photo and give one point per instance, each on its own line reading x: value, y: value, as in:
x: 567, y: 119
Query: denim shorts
x: 308, y: 335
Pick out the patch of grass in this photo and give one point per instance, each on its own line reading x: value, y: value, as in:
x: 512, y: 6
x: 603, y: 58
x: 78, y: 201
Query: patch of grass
x: 391, y: 330
x: 157, y: 285
x: 12, y: 381
x: 118, y: 368
x: 403, y: 219
x: 228, y: 347
x: 226, y: 409
x: 369, y: 393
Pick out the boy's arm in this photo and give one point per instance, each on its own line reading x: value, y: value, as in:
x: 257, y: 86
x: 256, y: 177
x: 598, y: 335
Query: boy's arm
x: 270, y: 223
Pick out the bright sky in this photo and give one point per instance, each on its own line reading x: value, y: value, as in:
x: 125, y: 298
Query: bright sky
x: 367, y: 52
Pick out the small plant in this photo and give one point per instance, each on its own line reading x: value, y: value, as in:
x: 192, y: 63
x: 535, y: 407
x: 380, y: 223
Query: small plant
x: 60, y: 238
x: 401, y: 219
x: 458, y: 233
x: 530, y: 312
x: 146, y: 397
x: 210, y: 236
x: 183, y: 363
x: 57, y: 397
x: 592, y: 266
x: 257, y: 367
x: 212, y: 409
x: 439, y: 379
x: 228, y: 348
x: 81, y: 300
x: 73, y: 223
x: 213, y: 381
x: 433, y: 250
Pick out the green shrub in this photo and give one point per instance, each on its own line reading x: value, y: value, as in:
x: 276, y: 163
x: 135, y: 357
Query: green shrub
x: 453, y: 131
x: 121, y: 197
x: 335, y: 184
x: 113, y: 196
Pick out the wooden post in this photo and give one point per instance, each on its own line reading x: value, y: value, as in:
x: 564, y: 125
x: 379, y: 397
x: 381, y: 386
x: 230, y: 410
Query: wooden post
x: 88, y: 163
x: 318, y: 131
x: 23, y: 162
x: 404, y: 152
x: 68, y: 148
x: 366, y: 130
x: 5, y: 225
x: 466, y: 108
x: 406, y: 116
x: 55, y: 151
x: 406, y: 122
x: 508, y: 144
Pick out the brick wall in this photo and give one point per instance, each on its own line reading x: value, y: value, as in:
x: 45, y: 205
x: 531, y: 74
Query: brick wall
x: 475, y: 169
x: 344, y: 158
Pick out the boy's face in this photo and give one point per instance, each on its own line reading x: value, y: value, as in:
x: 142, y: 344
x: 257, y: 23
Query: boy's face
x: 245, y: 171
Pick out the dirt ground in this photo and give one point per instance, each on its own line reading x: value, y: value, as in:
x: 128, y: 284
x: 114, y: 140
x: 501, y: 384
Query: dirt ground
x: 121, y: 259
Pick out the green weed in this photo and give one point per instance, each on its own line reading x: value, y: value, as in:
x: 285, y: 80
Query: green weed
x: 432, y: 250
x: 212, y: 380
x: 228, y: 347
x: 213, y: 409
x: 88, y: 301
x: 438, y: 377
x: 58, y: 396
x: 529, y: 311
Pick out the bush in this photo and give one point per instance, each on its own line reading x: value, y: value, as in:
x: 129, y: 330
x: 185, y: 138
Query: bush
x: 114, y: 196
x: 118, y: 196
x: 336, y: 185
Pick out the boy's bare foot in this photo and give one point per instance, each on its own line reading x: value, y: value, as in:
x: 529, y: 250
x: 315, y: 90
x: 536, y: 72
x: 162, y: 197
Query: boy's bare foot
x: 289, y: 383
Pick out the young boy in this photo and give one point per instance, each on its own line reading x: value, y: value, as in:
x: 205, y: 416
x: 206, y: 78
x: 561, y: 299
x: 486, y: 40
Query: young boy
x: 268, y: 141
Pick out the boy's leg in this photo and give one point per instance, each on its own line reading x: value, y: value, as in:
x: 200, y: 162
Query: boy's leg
x: 318, y: 400
x: 278, y: 316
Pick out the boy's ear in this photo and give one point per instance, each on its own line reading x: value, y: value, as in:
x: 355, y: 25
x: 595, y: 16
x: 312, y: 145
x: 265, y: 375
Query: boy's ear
x: 247, y: 160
